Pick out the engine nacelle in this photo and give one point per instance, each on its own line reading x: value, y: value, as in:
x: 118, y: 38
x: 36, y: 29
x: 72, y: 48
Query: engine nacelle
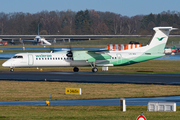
x: 69, y: 54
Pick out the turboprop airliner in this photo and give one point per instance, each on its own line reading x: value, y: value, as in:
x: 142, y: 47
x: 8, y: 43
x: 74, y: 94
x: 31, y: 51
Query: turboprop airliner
x: 115, y: 55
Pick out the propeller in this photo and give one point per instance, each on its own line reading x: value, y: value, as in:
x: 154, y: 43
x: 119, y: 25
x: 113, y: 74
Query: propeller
x: 69, y: 53
x: 52, y: 48
x: 69, y: 50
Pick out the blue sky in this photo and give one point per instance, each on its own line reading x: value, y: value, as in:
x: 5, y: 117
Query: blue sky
x: 123, y: 7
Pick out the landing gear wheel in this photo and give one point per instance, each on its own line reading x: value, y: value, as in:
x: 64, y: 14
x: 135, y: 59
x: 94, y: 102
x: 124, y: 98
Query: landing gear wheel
x: 11, y: 70
x: 76, y: 69
x: 94, y: 70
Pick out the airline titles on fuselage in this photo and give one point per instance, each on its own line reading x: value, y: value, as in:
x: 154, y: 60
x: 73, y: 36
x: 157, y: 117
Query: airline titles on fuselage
x: 50, y: 57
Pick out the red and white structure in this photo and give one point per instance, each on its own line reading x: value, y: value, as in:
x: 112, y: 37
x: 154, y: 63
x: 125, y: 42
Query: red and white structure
x: 141, y: 117
x: 121, y: 47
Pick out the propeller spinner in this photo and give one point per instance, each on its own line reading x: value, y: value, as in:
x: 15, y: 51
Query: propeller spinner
x: 69, y: 54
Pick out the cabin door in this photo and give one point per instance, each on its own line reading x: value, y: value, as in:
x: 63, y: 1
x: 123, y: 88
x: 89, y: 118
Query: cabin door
x: 119, y: 58
x: 30, y: 60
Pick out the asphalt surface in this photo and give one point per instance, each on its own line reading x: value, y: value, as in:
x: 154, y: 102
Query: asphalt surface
x: 88, y: 77
x: 96, y: 102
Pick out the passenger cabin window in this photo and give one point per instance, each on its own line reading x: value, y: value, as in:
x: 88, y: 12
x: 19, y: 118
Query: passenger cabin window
x: 17, y: 56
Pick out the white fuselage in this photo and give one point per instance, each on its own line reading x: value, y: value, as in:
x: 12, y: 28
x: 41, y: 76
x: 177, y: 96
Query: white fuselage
x: 42, y: 60
x: 60, y: 59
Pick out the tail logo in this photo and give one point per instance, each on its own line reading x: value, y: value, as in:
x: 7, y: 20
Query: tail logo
x: 160, y: 39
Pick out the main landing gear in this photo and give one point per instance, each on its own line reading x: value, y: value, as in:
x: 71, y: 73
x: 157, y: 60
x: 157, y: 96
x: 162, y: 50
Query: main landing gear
x: 11, y: 70
x: 94, y: 69
x: 76, y: 69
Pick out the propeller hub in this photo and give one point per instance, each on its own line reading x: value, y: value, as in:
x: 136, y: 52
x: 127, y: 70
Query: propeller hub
x: 69, y: 54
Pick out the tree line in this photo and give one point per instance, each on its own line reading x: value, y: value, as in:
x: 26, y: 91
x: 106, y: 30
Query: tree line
x: 88, y: 22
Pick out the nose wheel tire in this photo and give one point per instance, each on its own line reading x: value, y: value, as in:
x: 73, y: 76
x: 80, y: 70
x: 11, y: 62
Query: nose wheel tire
x: 94, y: 70
x: 11, y: 70
x: 76, y: 69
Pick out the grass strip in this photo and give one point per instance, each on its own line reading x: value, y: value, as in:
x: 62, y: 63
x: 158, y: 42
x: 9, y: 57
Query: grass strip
x: 83, y: 113
x: 25, y: 90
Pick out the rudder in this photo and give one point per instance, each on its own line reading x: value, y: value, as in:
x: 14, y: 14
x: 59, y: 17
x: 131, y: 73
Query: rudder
x: 160, y: 38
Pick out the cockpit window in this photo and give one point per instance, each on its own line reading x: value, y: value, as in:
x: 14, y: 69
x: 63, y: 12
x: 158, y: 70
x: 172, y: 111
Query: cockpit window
x: 17, y: 56
x: 14, y: 56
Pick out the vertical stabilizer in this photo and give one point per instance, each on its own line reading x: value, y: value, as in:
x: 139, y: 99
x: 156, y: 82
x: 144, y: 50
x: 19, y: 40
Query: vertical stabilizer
x: 160, y: 38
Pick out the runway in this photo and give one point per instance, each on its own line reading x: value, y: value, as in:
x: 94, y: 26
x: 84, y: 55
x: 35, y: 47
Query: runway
x: 88, y: 77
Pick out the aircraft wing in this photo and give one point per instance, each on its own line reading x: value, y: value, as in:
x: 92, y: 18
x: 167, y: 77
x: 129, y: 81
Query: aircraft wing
x: 60, y: 39
x: 98, y: 51
x: 10, y: 39
x: 27, y: 40
x: 57, y: 39
x: 20, y: 40
x: 91, y: 55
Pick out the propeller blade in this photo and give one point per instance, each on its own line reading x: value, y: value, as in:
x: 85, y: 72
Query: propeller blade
x: 51, y: 48
x: 69, y: 53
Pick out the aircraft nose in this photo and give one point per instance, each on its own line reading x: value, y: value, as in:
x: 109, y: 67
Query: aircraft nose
x: 5, y: 64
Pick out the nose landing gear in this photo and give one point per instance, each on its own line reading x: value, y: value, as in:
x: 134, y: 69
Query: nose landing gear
x: 11, y: 70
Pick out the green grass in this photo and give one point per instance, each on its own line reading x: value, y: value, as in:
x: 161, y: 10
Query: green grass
x: 25, y: 90
x: 82, y: 113
x: 19, y: 90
